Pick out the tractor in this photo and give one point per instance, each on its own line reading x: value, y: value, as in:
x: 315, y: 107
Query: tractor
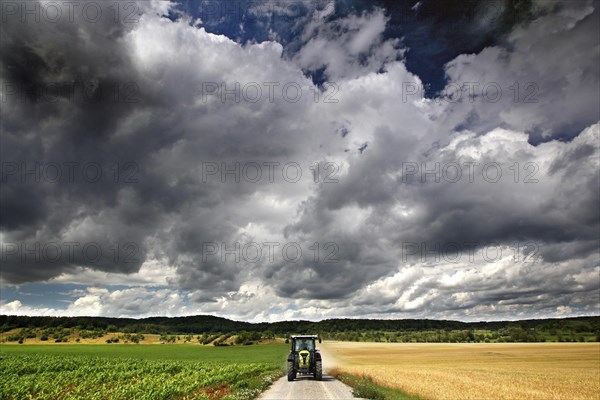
x: 304, y: 357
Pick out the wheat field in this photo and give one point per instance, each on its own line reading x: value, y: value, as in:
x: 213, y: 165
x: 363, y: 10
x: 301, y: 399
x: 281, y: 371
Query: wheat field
x: 541, y: 371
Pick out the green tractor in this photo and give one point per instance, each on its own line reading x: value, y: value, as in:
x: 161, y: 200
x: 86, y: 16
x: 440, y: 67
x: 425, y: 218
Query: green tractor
x: 304, y: 357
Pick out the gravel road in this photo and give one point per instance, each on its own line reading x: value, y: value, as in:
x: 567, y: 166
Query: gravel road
x: 306, y: 388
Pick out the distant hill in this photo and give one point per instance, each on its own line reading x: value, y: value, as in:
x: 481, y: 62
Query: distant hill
x: 329, y: 327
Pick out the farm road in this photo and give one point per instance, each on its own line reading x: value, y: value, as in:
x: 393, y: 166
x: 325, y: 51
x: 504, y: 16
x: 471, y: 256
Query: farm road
x: 306, y: 388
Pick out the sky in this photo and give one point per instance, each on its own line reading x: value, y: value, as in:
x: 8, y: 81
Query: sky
x: 278, y: 160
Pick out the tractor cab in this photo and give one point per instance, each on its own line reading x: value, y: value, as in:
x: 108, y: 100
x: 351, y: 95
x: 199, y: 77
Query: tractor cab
x: 304, y: 357
x: 302, y: 343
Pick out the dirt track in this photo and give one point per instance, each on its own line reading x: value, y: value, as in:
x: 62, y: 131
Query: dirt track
x: 306, y: 388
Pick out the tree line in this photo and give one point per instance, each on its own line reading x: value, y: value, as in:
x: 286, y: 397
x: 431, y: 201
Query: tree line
x: 210, y: 328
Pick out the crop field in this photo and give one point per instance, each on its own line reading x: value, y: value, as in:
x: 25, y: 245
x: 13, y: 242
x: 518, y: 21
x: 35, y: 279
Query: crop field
x: 475, y: 371
x: 137, y: 372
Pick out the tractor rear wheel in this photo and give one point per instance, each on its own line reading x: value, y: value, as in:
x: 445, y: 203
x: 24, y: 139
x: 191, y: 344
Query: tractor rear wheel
x: 291, y: 374
x: 319, y: 370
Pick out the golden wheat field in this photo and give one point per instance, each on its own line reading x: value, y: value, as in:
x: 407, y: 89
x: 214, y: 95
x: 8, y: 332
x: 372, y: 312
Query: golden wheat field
x: 541, y: 371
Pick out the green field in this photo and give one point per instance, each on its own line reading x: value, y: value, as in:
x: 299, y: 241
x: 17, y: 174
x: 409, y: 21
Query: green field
x: 137, y: 371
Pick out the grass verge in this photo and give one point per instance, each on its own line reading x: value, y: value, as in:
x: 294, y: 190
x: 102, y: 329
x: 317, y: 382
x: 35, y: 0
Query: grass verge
x: 364, y: 386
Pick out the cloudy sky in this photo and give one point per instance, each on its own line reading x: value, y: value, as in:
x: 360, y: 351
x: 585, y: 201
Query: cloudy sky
x: 270, y: 160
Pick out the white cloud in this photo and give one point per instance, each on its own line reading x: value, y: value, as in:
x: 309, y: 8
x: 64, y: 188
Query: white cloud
x: 362, y: 36
x: 374, y: 208
x: 547, y: 74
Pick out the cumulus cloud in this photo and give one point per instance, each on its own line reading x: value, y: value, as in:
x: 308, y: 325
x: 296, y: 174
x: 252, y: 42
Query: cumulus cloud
x: 543, y: 81
x: 194, y: 135
x: 347, y: 47
x: 130, y: 302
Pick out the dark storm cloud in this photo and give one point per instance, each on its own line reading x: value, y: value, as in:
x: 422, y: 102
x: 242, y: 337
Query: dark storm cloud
x: 344, y: 265
x: 567, y: 251
x: 537, y: 206
x: 74, y: 131
x: 58, y: 79
x: 142, y: 125
x: 461, y: 212
x: 165, y: 127
x: 561, y: 34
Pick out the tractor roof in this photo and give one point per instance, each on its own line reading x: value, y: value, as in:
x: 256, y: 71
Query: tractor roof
x: 304, y: 336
